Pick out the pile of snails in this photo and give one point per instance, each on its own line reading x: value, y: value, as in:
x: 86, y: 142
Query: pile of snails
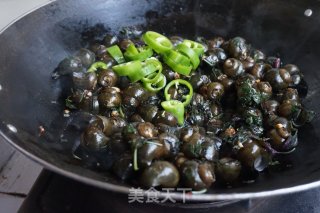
x: 245, y: 109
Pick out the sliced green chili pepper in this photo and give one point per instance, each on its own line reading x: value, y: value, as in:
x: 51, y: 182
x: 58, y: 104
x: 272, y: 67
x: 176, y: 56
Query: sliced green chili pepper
x: 176, y: 83
x: 197, y: 47
x: 156, y: 86
x: 190, y: 53
x: 176, y: 108
x: 177, y: 57
x: 152, y: 78
x: 97, y: 65
x: 179, y: 68
x: 157, y: 66
x: 157, y: 42
x: 116, y: 53
x: 127, y: 68
x: 137, y: 70
x: 140, y: 54
x: 150, y: 66
x: 155, y: 63
x: 178, y: 62
x: 132, y: 69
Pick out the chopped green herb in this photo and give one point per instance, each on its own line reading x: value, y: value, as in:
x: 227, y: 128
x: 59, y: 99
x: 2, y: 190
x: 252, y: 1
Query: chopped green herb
x: 274, y: 163
x: 69, y: 103
x: 249, y: 96
x: 242, y: 135
x: 195, y: 149
x: 121, y: 112
x: 130, y: 129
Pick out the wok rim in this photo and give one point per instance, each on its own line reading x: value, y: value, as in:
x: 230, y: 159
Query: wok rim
x: 125, y: 190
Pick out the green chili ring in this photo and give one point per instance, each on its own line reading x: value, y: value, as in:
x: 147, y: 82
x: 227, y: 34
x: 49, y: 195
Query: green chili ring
x: 157, y: 42
x: 127, y: 68
x: 155, y: 62
x: 97, y: 65
x: 150, y: 66
x: 152, y: 78
x: 179, y: 68
x: 177, y: 82
x: 191, y: 54
x: 141, y: 54
x: 177, y: 57
x: 116, y: 53
x: 156, y: 86
x: 176, y: 108
x: 137, y: 70
x: 197, y: 47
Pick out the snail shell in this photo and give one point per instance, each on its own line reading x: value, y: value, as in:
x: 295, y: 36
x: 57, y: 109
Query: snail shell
x: 233, y: 67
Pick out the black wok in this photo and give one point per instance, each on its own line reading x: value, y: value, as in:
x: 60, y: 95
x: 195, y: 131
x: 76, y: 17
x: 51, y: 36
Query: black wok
x: 31, y: 48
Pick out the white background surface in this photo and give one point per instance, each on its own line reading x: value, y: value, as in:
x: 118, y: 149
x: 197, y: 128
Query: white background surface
x: 17, y: 173
x: 12, y: 9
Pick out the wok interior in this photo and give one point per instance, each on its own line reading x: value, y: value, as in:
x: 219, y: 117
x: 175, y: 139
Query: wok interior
x: 33, y: 46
